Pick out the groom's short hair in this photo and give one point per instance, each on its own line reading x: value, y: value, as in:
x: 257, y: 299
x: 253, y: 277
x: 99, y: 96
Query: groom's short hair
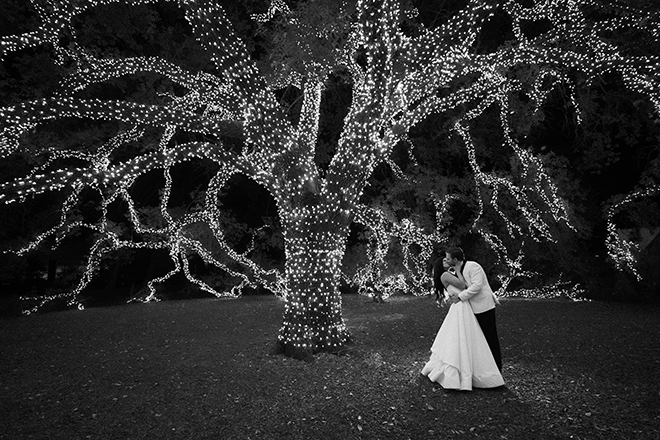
x: 456, y: 252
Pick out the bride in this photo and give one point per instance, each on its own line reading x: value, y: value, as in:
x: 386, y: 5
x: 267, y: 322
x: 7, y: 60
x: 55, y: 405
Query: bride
x: 460, y: 356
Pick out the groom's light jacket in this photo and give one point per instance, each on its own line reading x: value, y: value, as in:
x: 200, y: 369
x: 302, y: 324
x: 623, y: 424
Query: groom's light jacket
x: 478, y: 291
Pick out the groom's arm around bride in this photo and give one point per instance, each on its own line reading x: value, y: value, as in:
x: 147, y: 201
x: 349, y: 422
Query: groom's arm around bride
x: 478, y: 290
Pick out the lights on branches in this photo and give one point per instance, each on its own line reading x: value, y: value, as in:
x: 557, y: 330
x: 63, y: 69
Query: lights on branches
x: 400, y: 82
x: 624, y: 253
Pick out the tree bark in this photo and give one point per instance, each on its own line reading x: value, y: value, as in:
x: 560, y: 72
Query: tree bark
x: 315, y: 241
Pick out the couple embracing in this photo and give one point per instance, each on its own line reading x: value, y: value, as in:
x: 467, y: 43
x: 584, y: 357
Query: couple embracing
x: 466, y: 350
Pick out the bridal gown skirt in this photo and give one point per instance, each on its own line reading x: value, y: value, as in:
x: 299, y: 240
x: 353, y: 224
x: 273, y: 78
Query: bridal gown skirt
x: 460, y: 356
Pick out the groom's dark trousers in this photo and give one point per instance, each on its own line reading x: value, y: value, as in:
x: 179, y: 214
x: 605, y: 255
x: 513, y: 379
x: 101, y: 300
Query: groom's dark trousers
x: 489, y: 327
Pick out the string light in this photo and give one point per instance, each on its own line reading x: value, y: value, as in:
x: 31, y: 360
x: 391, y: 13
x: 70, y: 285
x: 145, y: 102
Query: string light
x: 624, y: 253
x: 558, y: 289
x: 398, y: 81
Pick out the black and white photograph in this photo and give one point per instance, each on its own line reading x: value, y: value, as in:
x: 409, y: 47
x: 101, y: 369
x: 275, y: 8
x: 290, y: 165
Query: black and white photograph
x: 330, y: 219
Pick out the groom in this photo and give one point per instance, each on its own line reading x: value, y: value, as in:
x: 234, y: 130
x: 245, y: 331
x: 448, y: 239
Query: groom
x: 480, y: 296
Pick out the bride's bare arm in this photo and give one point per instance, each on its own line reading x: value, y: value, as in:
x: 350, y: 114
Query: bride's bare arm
x: 450, y: 280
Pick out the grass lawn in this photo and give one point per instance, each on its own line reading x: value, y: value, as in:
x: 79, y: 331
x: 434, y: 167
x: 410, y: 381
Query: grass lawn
x: 201, y: 369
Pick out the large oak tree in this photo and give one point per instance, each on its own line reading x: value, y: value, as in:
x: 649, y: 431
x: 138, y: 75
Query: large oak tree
x: 227, y: 107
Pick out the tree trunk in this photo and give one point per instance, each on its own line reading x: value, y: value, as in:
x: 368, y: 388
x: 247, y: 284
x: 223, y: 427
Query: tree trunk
x: 315, y: 242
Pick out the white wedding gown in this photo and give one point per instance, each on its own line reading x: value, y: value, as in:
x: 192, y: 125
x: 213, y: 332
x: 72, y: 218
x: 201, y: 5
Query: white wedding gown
x: 460, y: 356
